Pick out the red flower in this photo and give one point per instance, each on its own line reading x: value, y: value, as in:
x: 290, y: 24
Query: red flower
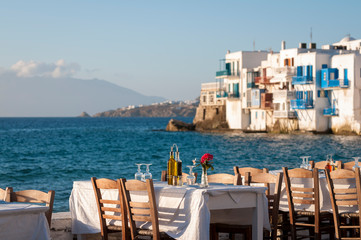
x: 206, y: 158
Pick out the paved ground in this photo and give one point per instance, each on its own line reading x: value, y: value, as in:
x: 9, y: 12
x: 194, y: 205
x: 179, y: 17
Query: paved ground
x: 61, y: 230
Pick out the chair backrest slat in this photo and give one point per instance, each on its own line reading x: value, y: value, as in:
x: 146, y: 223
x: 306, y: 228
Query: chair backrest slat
x: 347, y: 198
x: 302, y: 195
x: 35, y: 196
x: 225, y: 178
x: 109, y: 208
x: 273, y: 198
x: 141, y: 211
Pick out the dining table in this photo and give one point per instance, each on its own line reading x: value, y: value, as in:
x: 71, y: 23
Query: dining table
x: 184, y: 212
x: 23, y: 221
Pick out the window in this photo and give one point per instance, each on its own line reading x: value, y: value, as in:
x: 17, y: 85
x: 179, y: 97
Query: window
x: 204, y: 99
x: 217, y: 111
x: 262, y: 115
x: 211, y: 98
x: 332, y: 75
x: 256, y: 115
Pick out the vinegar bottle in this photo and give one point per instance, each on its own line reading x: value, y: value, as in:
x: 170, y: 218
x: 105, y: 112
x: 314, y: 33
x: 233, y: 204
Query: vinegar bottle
x: 170, y: 167
x: 179, y: 168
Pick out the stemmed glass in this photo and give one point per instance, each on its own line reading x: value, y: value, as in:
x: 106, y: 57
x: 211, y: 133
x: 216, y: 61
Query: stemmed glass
x: 191, y: 179
x: 303, y: 164
x: 147, y: 174
x: 308, y: 165
x: 138, y: 175
x: 356, y: 163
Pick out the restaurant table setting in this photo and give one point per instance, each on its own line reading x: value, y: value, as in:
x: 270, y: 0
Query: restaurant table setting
x: 23, y: 221
x: 185, y: 212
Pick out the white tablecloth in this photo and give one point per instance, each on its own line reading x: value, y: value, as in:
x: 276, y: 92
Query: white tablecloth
x: 184, y: 212
x: 23, y: 221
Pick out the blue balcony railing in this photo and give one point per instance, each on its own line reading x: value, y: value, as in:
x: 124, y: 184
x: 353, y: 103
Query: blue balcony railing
x: 302, y: 80
x: 302, y: 103
x: 233, y: 95
x: 330, y: 111
x: 342, y: 83
x: 222, y: 94
x: 223, y: 73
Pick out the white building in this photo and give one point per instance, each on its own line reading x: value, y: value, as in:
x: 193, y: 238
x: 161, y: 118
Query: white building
x: 302, y: 88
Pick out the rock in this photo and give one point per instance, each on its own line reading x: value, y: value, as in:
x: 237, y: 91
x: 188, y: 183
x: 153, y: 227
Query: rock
x: 84, y: 114
x: 177, y: 125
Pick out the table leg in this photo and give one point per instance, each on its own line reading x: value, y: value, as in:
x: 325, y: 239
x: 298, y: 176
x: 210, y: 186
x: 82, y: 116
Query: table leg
x: 257, y: 222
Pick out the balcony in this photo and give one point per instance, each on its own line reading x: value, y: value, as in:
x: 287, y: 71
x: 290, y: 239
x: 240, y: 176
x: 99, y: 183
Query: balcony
x: 266, y: 101
x: 251, y: 85
x: 302, y: 104
x: 262, y: 80
x: 335, y: 83
x: 283, y: 95
x: 329, y: 112
x: 221, y: 94
x: 302, y: 80
x: 223, y: 73
x: 284, y: 114
x: 233, y: 95
x: 288, y: 71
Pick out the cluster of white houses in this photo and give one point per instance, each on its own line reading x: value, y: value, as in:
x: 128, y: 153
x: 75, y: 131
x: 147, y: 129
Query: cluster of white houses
x: 304, y: 88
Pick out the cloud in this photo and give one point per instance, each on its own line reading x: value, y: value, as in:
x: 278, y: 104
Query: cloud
x: 41, y: 69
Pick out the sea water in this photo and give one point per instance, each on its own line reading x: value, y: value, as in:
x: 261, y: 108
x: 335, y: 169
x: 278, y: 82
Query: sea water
x: 52, y: 153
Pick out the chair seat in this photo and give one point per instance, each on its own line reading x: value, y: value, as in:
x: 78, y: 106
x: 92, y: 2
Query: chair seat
x: 350, y: 215
x: 114, y: 228
x: 310, y: 213
x: 147, y: 232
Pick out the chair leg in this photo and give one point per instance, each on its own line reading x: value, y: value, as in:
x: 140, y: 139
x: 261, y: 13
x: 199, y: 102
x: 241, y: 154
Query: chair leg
x: 213, y: 234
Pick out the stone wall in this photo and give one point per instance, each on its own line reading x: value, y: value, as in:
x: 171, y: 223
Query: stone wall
x: 210, y: 117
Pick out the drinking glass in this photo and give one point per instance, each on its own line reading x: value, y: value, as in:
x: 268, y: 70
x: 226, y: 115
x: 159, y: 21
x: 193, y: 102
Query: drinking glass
x: 307, y: 164
x: 147, y: 174
x: 356, y: 163
x: 303, y: 164
x: 138, y: 175
x: 191, y: 179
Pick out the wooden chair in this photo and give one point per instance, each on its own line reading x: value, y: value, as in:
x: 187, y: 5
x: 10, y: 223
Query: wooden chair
x: 142, y: 211
x: 313, y: 221
x: 5, y: 194
x: 273, y: 201
x: 216, y: 228
x: 35, y: 196
x: 349, y: 165
x: 225, y: 178
x: 346, y: 199
x: 250, y: 170
x: 322, y: 164
x: 184, y: 176
x: 110, y: 209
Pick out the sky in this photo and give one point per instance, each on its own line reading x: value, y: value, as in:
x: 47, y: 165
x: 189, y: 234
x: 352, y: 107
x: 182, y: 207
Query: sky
x: 158, y: 48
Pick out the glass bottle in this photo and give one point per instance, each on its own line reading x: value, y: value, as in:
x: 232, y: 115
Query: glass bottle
x: 170, y: 167
x: 179, y: 169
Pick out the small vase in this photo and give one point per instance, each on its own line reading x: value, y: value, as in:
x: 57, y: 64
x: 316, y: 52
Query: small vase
x: 204, y: 178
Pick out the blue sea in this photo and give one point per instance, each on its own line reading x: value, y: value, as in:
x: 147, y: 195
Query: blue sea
x: 51, y: 153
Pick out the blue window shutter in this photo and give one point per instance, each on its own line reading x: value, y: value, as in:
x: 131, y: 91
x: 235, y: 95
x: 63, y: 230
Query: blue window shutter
x: 311, y: 71
x: 336, y: 74
x: 324, y: 66
x: 299, y: 70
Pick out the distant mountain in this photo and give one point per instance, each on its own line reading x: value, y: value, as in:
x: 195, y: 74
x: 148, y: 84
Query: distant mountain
x: 177, y: 109
x: 62, y: 97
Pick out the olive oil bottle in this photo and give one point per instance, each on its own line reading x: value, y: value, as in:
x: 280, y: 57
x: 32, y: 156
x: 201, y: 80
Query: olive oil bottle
x: 170, y: 167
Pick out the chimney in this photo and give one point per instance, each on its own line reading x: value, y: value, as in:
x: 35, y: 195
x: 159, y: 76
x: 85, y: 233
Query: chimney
x: 312, y: 46
x: 302, y: 45
x: 283, y: 45
x: 228, y: 51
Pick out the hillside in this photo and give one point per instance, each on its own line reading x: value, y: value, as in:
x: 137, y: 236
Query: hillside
x: 178, y: 109
x: 63, y: 97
